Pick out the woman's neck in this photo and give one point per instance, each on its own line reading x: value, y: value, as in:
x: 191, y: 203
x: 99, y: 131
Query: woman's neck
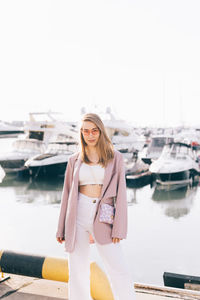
x: 91, y: 150
x: 92, y: 154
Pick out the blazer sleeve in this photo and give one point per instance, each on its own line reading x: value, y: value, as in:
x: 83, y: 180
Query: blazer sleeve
x: 64, y: 200
x: 119, y: 229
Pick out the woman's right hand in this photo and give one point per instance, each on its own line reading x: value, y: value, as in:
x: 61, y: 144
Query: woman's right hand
x: 60, y: 240
x: 91, y: 240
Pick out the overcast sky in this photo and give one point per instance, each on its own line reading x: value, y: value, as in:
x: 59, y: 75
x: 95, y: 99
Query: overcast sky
x: 140, y: 57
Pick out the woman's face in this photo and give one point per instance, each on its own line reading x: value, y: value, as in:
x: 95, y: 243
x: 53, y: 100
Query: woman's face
x: 90, y: 133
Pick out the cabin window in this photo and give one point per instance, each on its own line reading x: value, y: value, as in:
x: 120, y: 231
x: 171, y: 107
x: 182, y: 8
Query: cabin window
x: 38, y: 135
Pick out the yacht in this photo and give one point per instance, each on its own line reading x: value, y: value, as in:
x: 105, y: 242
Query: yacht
x: 153, y: 150
x: 39, y: 130
x: 53, y: 162
x: 22, y: 149
x: 137, y: 172
x: 176, y: 167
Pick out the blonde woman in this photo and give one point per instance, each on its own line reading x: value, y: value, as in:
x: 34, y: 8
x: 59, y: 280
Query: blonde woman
x: 95, y: 180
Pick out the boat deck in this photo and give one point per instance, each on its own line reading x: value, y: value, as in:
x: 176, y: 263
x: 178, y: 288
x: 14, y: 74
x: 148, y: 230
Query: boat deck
x: 29, y: 288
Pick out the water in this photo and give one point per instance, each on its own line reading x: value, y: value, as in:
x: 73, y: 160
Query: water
x: 162, y: 235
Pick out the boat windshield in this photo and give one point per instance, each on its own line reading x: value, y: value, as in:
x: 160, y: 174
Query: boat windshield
x: 157, y: 144
x: 177, y: 151
x: 160, y: 141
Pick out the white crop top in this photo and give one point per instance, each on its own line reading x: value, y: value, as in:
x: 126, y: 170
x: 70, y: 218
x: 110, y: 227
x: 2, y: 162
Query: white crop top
x: 91, y: 174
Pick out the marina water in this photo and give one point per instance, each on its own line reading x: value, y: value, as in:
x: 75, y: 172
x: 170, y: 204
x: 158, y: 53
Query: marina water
x: 162, y: 230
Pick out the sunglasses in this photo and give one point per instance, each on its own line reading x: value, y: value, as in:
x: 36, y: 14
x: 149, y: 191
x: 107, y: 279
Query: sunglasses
x: 87, y: 132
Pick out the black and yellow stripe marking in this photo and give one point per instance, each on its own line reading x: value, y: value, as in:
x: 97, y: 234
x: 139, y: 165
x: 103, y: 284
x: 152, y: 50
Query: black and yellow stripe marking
x: 54, y: 269
x: 34, y: 266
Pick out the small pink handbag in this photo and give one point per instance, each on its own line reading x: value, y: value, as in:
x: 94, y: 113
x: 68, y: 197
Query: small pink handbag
x: 107, y: 213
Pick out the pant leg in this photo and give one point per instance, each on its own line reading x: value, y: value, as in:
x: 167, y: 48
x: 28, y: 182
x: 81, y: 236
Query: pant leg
x: 79, y: 261
x: 79, y: 267
x: 117, y: 268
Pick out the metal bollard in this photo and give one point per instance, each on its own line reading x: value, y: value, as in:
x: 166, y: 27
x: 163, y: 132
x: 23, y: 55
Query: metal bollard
x: 54, y: 269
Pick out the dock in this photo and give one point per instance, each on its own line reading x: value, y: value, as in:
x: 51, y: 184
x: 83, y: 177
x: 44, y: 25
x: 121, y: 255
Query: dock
x: 19, y: 287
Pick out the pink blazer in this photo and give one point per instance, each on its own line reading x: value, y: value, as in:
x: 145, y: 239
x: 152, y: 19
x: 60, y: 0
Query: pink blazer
x: 114, y: 187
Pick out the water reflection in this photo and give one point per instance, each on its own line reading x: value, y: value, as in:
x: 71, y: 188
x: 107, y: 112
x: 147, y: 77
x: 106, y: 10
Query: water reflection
x: 175, y: 203
x: 44, y: 192
x: 131, y: 196
x: 39, y: 192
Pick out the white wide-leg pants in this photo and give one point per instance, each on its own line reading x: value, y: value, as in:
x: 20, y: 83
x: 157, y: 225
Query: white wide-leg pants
x: 111, y: 254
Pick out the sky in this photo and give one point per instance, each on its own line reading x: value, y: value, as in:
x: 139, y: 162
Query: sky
x: 141, y: 58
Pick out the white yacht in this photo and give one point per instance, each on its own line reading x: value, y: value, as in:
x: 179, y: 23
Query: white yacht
x: 137, y: 172
x: 153, y: 150
x: 53, y: 162
x: 38, y: 131
x: 22, y: 149
x: 177, y: 166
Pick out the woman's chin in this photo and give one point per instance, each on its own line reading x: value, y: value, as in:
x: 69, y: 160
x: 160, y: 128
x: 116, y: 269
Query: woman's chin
x: 93, y: 143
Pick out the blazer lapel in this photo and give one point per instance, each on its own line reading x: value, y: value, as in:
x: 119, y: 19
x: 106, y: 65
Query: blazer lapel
x: 77, y: 165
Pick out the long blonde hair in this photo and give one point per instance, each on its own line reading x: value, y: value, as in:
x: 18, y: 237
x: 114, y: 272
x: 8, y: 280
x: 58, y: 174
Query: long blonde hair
x: 104, y: 145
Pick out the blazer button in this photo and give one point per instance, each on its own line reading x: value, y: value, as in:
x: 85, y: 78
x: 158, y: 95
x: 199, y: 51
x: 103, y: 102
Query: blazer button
x: 94, y: 201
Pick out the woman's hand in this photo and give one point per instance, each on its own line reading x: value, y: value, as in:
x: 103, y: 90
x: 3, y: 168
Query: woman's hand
x: 116, y: 240
x: 91, y: 239
x: 60, y: 240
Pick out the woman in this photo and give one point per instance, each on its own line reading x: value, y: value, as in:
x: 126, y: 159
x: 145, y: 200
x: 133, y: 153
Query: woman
x: 94, y: 177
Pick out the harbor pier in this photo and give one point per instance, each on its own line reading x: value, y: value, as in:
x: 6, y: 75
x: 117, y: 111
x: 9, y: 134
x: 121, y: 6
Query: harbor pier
x: 19, y: 287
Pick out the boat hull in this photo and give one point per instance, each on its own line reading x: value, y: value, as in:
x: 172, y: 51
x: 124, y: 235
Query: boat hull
x: 138, y: 180
x: 10, y: 165
x: 50, y: 170
x: 14, y: 167
x: 176, y: 179
x: 173, y: 177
